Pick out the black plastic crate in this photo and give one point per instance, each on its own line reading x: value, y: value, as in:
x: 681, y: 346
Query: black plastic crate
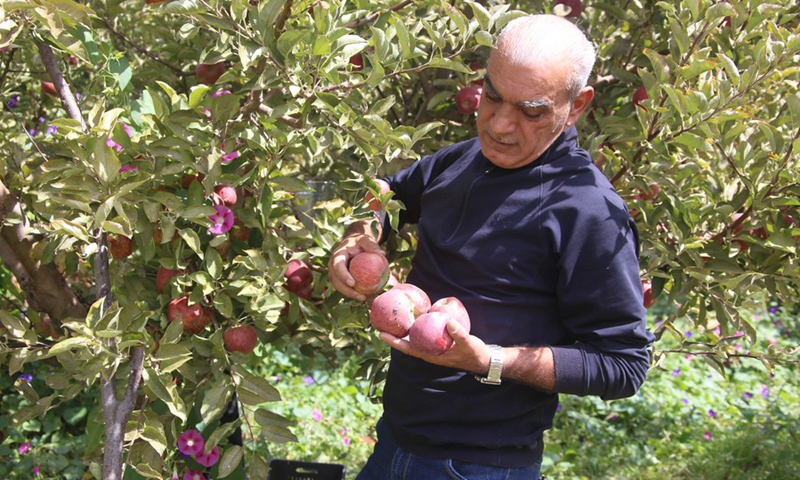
x: 297, y: 470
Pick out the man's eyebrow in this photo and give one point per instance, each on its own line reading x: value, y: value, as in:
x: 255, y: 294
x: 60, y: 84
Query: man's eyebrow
x: 522, y: 104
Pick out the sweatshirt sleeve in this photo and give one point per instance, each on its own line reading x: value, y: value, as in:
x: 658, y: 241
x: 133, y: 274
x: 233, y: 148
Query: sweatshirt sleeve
x: 600, y: 301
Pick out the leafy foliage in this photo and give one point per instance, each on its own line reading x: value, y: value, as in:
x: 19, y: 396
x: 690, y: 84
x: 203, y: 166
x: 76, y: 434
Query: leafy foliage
x: 317, y: 99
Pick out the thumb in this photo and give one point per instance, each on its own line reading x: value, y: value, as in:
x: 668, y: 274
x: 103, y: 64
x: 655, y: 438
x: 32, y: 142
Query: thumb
x: 456, y: 330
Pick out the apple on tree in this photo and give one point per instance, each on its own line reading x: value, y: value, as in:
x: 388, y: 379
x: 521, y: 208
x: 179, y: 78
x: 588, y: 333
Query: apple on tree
x: 647, y: 290
x: 240, y: 339
x: 209, y: 73
x: 120, y: 246
x: 164, y: 275
x: 49, y: 89
x: 357, y: 61
x: 194, y: 317
x: 298, y: 278
x: 575, y: 7
x: 639, y: 96
x: 468, y: 99
x: 374, y: 203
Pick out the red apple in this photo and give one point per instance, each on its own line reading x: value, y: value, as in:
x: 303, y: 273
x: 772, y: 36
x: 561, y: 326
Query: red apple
x: 209, y: 73
x: 468, y: 99
x: 575, y: 6
x: 418, y: 297
x: 298, y: 277
x: 453, y: 308
x: 370, y: 270
x: 357, y: 61
x: 120, y: 246
x: 163, y: 276
x: 373, y: 202
x: 240, y: 339
x: 429, y: 334
x: 649, y: 195
x: 72, y: 60
x: 49, y: 88
x: 647, y: 290
x: 225, y: 195
x: 193, y: 317
x: 639, y: 96
x: 392, y: 312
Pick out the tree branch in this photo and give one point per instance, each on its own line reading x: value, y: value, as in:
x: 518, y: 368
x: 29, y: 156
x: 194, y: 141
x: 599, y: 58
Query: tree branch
x: 143, y: 50
x: 62, y: 87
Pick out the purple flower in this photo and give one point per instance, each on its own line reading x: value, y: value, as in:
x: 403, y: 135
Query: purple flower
x: 688, y: 334
x: 127, y: 129
x: 612, y: 417
x: 111, y: 143
x: 208, y: 459
x: 707, y: 436
x: 773, y: 309
x: 229, y: 156
x: 223, y: 220
x: 712, y: 413
x: 128, y: 168
x: 78, y: 96
x: 676, y: 372
x: 308, y: 381
x: 685, y: 401
x: 42, y: 119
x: 32, y: 132
x: 747, y: 395
x: 219, y: 93
x: 738, y: 334
x: 27, y: 377
x: 52, y: 129
x: 558, y: 407
x: 765, y: 391
x: 346, y: 441
x: 13, y: 102
x: 193, y: 475
x: 190, y: 442
x: 35, y: 470
x: 316, y: 414
x: 24, y: 448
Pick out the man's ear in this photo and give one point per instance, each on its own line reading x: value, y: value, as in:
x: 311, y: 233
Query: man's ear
x: 579, y: 104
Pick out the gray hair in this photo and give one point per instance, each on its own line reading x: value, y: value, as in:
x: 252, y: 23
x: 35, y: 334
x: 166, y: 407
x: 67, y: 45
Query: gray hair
x: 543, y: 39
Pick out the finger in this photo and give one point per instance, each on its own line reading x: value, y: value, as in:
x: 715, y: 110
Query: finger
x: 338, y: 268
x: 456, y: 330
x: 368, y: 244
x: 395, y: 342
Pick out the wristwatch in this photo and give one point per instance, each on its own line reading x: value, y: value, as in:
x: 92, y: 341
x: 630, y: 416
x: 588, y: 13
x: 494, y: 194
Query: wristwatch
x: 495, y: 366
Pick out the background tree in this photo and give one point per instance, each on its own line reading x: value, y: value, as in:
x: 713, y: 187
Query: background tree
x: 166, y: 162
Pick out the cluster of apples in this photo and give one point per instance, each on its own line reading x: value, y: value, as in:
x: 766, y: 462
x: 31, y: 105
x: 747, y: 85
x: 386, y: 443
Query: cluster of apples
x: 406, y: 310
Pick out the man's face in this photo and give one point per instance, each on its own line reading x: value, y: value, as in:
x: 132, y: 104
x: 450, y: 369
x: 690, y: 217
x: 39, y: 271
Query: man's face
x: 522, y: 111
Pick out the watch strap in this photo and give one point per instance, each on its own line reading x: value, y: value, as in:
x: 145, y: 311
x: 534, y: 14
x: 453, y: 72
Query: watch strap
x: 495, y: 366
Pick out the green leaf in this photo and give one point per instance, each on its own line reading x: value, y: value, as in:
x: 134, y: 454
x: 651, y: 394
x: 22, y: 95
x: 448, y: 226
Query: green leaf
x: 680, y: 36
x: 105, y: 162
x: 274, y: 427
x: 184, y: 7
x: 230, y: 460
x: 192, y: 240
x: 16, y: 326
x: 215, y: 401
x: 154, y: 434
x: 258, y: 386
x: 166, y: 390
x: 121, y: 70
x: 69, y: 343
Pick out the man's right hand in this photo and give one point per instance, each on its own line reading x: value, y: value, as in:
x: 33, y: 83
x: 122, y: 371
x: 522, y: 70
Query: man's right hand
x: 356, y: 241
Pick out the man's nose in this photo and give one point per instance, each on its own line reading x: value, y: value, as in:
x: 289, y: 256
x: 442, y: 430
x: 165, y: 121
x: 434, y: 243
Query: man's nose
x: 504, y: 119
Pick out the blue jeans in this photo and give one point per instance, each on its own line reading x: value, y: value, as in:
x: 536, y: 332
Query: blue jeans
x: 390, y: 462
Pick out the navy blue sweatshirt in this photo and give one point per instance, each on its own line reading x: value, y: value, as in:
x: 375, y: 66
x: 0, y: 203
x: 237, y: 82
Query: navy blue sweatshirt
x: 544, y: 254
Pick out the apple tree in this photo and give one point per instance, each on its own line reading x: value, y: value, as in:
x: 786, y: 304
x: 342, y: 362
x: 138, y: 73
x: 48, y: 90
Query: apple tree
x: 170, y: 168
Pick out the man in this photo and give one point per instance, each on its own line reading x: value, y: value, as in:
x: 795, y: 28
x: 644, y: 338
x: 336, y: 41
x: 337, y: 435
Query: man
x: 521, y: 227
